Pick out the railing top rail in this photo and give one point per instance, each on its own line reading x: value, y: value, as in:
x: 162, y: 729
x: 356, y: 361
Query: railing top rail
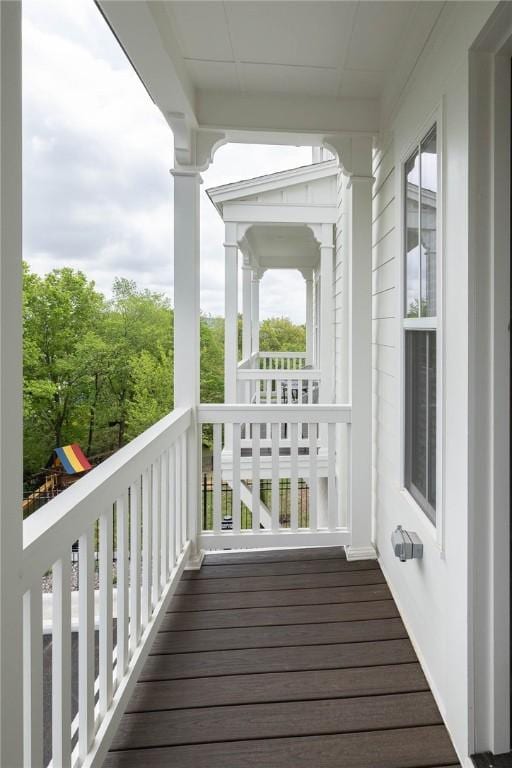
x: 284, y: 374
x: 66, y: 517
x: 260, y: 414
x: 248, y: 362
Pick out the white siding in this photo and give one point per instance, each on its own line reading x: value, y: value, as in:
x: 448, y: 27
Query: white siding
x: 432, y: 593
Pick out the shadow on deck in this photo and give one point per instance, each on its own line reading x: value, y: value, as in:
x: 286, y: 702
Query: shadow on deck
x: 282, y: 658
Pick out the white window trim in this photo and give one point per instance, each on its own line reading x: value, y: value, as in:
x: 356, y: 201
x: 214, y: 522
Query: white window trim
x: 425, y: 525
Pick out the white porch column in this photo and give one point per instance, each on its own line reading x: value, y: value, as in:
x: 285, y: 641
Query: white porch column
x: 231, y: 314
x: 359, y: 221
x: 186, y: 329
x: 11, y: 412
x: 308, y: 275
x: 326, y: 356
x: 255, y: 290
x: 246, y: 311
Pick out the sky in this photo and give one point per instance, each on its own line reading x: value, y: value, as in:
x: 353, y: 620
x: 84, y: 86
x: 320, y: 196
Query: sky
x: 97, y: 154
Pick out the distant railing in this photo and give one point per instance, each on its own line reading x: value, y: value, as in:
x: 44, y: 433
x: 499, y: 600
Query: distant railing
x: 279, y: 387
x: 281, y: 360
x: 252, y: 443
x: 137, y: 502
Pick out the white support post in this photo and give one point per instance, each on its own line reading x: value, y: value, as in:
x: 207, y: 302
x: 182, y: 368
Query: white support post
x: 359, y: 221
x: 246, y: 311
x: 186, y: 332
x: 11, y: 441
x: 326, y: 314
x: 255, y: 289
x: 231, y: 314
x: 309, y: 317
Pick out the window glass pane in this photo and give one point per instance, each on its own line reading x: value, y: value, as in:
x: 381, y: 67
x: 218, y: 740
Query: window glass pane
x: 428, y: 224
x: 412, y: 251
x: 432, y: 339
x: 420, y: 448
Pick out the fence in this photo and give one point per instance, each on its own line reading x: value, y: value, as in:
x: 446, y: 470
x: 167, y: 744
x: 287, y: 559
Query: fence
x: 284, y: 501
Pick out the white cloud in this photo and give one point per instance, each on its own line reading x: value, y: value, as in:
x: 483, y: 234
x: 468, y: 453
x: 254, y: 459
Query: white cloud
x: 97, y: 153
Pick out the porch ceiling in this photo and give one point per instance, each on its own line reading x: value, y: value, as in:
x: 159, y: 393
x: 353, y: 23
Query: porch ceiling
x: 282, y: 71
x: 281, y: 246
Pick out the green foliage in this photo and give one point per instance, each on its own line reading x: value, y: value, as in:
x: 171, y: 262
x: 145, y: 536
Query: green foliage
x: 100, y: 372
x: 279, y: 334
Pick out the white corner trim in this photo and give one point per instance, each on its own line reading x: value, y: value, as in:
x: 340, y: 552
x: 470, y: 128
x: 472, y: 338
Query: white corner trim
x: 361, y: 553
x: 466, y: 762
x: 195, y: 562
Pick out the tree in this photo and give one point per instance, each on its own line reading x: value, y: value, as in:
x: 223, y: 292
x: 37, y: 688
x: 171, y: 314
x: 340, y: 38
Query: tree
x: 137, y: 322
x: 152, y: 391
x: 62, y: 316
x: 279, y: 334
x: 100, y: 372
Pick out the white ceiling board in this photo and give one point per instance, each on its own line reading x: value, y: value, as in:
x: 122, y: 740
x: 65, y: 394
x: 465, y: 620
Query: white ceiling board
x: 356, y: 84
x: 267, y: 78
x: 378, y: 35
x: 283, y: 71
x: 306, y: 33
x: 283, y: 246
x: 201, y: 29
x: 219, y: 75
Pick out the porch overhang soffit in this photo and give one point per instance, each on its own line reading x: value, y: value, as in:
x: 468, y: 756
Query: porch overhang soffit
x: 211, y: 96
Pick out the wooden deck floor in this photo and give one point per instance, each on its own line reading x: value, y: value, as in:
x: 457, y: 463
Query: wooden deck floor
x: 284, y: 659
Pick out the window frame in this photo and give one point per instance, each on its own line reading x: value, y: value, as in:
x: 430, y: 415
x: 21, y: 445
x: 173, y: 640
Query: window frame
x: 434, y: 530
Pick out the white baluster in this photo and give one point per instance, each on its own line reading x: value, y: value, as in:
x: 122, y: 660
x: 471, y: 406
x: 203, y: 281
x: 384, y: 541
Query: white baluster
x: 331, y: 477
x: 178, y: 496
x: 61, y: 663
x: 184, y: 519
x: 217, y: 477
x: 122, y: 586
x: 313, y: 482
x: 275, y: 477
x: 105, y: 640
x: 256, y: 477
x: 86, y: 644
x: 164, y: 519
x: 33, y: 677
x: 236, y: 478
x: 294, y: 524
x: 134, y: 566
x: 146, y: 548
x: 172, y: 507
x: 155, y: 513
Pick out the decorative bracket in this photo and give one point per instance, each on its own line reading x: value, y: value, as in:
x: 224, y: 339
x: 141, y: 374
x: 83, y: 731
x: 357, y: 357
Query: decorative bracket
x: 193, y: 148
x: 354, y: 153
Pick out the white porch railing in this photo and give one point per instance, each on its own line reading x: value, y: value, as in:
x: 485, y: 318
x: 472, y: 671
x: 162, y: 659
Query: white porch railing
x: 251, y: 443
x: 281, y: 360
x: 135, y: 504
x: 280, y: 387
x: 137, y: 499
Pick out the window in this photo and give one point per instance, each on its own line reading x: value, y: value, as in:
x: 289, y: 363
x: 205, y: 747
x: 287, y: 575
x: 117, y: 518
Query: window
x: 420, y: 322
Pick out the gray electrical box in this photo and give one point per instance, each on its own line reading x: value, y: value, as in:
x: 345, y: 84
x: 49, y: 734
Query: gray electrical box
x: 407, y: 545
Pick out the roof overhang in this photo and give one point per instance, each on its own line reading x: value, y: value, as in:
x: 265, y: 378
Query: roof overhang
x: 190, y: 54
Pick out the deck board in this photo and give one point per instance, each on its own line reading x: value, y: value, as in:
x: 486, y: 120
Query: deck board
x: 274, y: 556
x: 277, y: 720
x: 277, y: 686
x: 275, y: 637
x: 279, y: 569
x: 279, y: 583
x: 282, y: 658
x: 283, y: 597
x: 393, y: 748
x: 273, y: 617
